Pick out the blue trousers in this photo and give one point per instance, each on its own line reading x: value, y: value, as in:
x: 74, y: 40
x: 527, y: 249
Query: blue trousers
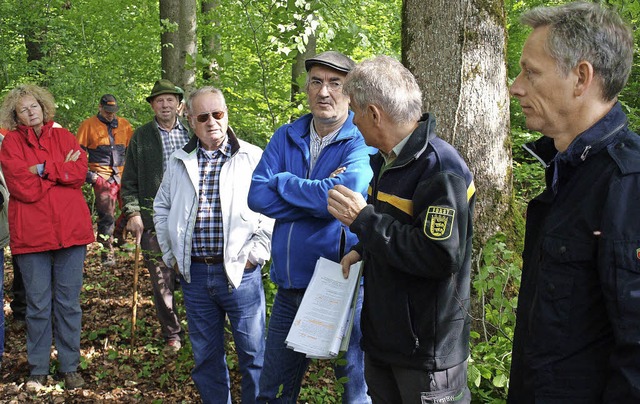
x: 1, y: 300
x: 52, y: 281
x: 208, y: 298
x: 285, y: 367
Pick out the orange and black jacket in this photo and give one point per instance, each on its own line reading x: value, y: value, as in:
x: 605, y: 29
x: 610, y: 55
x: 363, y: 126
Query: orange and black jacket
x: 105, y: 159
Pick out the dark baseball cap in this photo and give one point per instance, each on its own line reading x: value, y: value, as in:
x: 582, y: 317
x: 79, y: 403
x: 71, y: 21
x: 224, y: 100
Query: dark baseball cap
x: 332, y: 59
x: 108, y: 103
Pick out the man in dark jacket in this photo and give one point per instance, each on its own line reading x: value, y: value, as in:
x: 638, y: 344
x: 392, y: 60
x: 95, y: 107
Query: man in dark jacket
x: 146, y: 160
x: 578, y: 322
x: 414, y: 241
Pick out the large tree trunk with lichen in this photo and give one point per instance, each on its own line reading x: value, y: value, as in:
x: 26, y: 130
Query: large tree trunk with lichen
x: 457, y: 51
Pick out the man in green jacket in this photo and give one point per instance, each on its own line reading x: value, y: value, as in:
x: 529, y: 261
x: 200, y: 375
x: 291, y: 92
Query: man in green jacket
x: 146, y: 159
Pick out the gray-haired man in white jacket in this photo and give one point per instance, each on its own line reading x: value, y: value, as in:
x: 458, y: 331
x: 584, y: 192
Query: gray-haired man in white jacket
x: 208, y: 233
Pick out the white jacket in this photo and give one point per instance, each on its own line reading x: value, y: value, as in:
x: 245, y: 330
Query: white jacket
x: 247, y: 234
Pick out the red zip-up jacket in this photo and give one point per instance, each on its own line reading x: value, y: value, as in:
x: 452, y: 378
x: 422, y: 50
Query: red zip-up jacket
x: 46, y: 212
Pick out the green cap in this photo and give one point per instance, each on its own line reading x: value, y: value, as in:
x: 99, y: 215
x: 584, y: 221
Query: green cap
x: 164, y: 86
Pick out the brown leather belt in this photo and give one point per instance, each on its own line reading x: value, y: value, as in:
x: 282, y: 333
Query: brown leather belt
x: 210, y: 260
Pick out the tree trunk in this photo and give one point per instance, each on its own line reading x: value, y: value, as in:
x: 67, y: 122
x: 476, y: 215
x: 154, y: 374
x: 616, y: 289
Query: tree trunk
x: 178, y: 18
x: 457, y: 51
x: 35, y: 30
x: 170, y: 40
x: 188, y: 44
x: 298, y: 70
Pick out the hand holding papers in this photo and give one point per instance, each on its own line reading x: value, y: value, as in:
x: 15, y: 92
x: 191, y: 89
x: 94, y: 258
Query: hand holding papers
x: 325, y: 314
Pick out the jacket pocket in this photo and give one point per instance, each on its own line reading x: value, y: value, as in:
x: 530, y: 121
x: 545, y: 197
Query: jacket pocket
x: 564, y: 267
x: 627, y: 279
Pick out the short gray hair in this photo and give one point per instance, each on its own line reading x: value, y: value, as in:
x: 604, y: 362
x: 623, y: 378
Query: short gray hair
x: 386, y: 83
x: 201, y: 91
x: 587, y: 32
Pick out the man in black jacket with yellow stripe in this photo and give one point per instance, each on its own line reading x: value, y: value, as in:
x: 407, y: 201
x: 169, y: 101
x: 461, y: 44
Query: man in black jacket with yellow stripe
x: 415, y: 242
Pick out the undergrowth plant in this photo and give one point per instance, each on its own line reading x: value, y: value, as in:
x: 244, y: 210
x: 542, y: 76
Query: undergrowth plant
x: 495, y: 284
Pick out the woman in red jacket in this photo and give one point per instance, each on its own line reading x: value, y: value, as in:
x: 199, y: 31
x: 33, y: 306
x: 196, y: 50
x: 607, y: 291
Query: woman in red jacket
x: 50, y: 227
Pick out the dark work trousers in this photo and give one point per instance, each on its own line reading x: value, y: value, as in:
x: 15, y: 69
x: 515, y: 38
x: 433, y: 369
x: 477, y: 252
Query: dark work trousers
x: 163, y: 282
x: 394, y: 385
x: 107, y: 194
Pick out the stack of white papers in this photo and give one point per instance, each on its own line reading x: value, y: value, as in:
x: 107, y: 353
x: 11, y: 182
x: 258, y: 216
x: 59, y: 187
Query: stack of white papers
x: 322, y: 325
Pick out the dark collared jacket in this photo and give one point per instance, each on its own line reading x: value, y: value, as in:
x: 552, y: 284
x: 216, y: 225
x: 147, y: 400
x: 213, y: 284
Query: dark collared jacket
x: 143, y: 173
x: 415, y: 241
x: 577, y: 336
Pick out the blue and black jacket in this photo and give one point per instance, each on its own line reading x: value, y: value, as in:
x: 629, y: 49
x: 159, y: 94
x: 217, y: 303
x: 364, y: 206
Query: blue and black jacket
x: 415, y: 241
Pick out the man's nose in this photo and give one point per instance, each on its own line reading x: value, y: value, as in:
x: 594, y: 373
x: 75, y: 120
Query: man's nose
x: 324, y: 90
x: 516, y: 89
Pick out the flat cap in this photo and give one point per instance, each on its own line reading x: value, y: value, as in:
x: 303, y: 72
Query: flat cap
x: 332, y: 59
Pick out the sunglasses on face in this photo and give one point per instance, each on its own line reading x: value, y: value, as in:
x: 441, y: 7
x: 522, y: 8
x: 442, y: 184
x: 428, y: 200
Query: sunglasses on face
x: 217, y: 115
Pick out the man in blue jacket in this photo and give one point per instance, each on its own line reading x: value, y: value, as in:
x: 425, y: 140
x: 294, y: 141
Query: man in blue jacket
x: 300, y: 164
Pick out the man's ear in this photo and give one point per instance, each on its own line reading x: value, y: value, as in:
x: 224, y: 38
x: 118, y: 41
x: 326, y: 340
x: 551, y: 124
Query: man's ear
x: 376, y: 114
x: 584, y: 77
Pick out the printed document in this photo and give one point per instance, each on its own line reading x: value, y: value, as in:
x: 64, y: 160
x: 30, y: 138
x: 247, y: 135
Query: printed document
x: 325, y: 315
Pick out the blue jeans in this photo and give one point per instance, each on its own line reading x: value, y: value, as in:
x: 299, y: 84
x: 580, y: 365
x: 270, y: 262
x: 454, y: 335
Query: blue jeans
x: 1, y: 301
x: 208, y: 298
x: 285, y: 367
x: 53, y: 278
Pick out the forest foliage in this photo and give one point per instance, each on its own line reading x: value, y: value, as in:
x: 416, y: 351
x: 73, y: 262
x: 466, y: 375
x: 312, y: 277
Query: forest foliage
x: 81, y: 49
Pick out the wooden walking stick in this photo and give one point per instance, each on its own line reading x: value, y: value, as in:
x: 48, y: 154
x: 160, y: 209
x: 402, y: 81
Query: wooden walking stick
x: 134, y: 303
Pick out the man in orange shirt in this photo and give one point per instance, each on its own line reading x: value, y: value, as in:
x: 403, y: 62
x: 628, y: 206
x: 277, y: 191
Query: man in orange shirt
x: 105, y: 137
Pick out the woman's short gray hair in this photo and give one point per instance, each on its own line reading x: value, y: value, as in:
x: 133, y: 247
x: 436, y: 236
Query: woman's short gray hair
x: 386, y: 83
x: 587, y: 32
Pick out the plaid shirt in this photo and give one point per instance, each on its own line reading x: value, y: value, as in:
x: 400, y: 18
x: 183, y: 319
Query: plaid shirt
x: 172, y: 140
x: 318, y: 143
x: 207, y: 234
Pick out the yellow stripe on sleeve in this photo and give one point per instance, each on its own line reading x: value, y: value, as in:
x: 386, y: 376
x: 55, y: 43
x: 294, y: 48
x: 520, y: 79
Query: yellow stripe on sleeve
x: 405, y: 205
x: 471, y: 190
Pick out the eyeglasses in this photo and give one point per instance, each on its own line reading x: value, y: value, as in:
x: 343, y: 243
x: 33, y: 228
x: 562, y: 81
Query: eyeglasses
x: 316, y: 85
x: 205, y: 117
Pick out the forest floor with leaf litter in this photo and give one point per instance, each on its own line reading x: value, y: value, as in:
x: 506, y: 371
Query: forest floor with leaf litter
x: 111, y: 370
